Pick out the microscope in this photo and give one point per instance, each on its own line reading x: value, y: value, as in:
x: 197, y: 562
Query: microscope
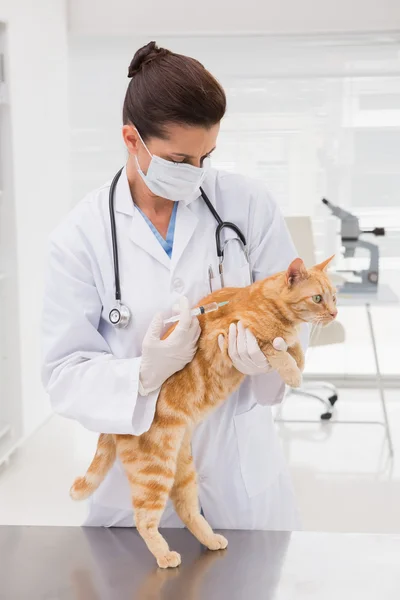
x: 350, y: 234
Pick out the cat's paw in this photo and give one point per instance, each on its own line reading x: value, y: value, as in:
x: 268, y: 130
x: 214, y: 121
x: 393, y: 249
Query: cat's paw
x: 293, y: 378
x: 170, y: 559
x: 217, y: 542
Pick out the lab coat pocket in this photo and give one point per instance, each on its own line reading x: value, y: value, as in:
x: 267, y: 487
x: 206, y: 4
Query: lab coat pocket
x: 259, y: 453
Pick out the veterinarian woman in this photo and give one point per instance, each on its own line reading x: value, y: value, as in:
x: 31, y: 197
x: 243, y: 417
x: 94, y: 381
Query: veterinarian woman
x: 100, y: 373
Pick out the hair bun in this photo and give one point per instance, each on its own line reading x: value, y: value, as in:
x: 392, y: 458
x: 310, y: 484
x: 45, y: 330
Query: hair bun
x: 144, y: 56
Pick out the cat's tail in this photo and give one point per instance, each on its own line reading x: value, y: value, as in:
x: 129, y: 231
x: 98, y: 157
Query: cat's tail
x: 103, y: 460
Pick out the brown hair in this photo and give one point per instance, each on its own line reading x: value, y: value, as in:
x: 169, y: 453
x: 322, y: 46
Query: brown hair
x: 170, y: 88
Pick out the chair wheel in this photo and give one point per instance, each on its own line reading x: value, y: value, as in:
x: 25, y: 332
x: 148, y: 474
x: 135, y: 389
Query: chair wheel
x: 326, y: 416
x: 332, y: 399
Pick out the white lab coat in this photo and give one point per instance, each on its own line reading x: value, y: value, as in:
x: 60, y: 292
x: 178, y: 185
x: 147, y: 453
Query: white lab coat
x: 91, y: 369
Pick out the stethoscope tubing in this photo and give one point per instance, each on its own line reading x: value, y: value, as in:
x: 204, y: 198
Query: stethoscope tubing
x: 221, y: 225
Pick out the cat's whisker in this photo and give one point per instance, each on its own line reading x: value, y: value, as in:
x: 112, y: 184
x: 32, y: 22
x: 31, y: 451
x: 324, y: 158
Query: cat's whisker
x: 312, y: 332
x: 315, y: 332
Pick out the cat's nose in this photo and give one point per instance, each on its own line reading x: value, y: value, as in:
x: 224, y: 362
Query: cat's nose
x: 333, y: 313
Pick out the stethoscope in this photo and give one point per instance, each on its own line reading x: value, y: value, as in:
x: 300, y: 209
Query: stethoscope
x: 120, y: 315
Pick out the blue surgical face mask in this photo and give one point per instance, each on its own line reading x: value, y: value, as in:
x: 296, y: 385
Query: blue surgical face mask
x: 175, y: 181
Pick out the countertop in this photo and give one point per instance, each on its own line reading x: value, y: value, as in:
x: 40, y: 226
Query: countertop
x: 65, y: 563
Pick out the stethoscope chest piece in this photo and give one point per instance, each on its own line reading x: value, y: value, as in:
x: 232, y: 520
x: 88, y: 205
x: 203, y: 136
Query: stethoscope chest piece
x: 120, y: 316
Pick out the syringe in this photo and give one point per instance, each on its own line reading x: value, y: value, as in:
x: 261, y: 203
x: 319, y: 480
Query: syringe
x: 200, y: 310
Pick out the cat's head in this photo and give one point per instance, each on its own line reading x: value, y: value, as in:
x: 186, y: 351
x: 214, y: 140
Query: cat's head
x: 309, y: 292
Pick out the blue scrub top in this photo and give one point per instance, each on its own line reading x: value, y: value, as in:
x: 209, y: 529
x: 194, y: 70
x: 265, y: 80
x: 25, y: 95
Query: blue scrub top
x: 168, y: 243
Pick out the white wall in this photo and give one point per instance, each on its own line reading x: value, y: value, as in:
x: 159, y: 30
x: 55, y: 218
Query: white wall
x: 293, y: 108
x: 232, y: 16
x: 37, y: 76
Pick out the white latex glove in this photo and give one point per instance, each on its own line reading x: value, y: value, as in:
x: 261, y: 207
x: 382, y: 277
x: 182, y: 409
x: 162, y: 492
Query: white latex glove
x: 163, y: 358
x: 244, y: 351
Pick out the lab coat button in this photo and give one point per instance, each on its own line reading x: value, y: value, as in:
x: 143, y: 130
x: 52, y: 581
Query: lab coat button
x: 178, y: 285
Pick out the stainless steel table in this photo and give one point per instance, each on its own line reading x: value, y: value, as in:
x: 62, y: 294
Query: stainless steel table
x: 65, y: 563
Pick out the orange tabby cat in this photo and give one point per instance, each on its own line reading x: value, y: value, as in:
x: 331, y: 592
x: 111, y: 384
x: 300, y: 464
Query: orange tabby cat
x: 158, y: 463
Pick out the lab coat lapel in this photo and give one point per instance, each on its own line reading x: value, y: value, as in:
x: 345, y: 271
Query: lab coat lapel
x: 186, y: 223
x: 139, y: 231
x: 141, y: 235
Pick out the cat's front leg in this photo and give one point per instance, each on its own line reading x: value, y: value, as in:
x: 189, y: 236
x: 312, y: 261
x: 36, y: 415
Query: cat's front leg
x: 297, y: 352
x: 285, y: 365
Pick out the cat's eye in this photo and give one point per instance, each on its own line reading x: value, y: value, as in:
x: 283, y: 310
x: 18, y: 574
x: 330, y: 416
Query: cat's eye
x: 334, y: 298
x: 317, y: 299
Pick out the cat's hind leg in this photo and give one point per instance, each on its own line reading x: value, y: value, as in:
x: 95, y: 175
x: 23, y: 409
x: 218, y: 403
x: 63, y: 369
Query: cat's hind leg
x: 150, y: 468
x: 185, y: 498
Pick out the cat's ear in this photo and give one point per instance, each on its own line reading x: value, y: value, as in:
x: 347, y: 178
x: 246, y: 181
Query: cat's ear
x: 323, y: 266
x: 296, y: 272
